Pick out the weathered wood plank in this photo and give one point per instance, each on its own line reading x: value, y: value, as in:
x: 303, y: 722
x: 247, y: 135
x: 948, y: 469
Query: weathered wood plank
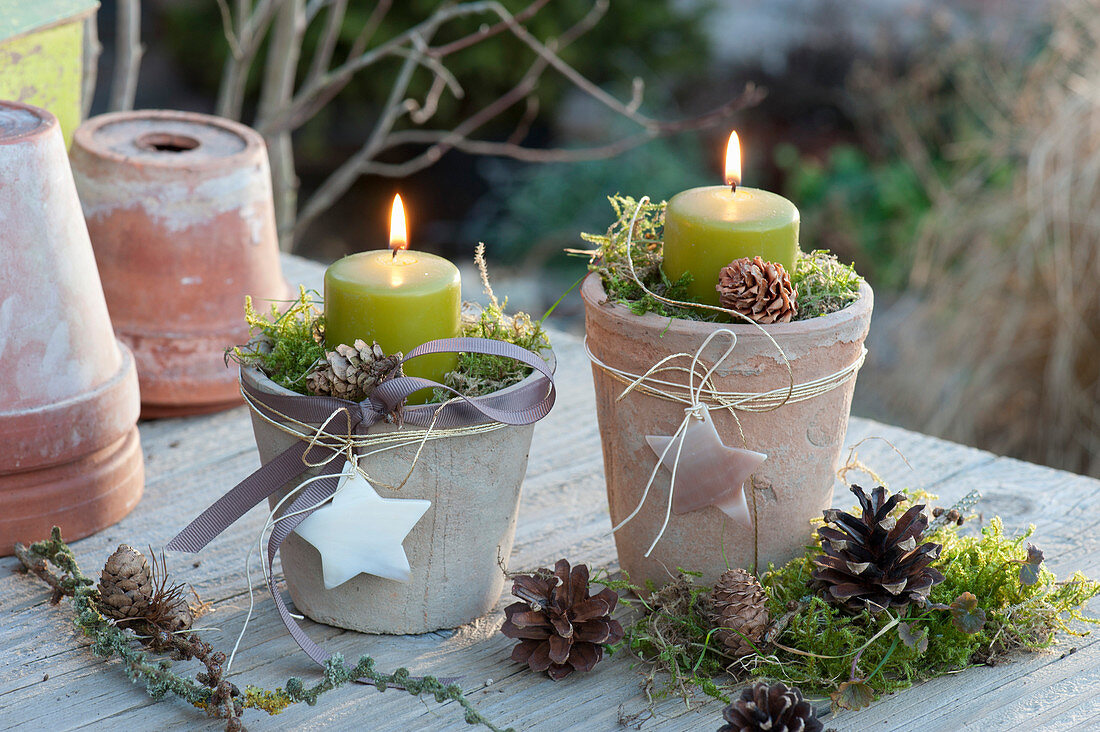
x: 564, y: 513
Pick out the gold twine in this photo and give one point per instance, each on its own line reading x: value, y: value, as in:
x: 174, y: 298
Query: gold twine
x: 350, y: 444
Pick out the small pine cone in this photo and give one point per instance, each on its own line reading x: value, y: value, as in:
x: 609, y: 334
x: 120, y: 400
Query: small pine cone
x: 772, y: 707
x: 125, y: 585
x: 353, y: 372
x: 757, y: 289
x: 737, y: 608
x: 872, y: 560
x: 560, y: 627
x: 319, y: 381
x: 176, y: 616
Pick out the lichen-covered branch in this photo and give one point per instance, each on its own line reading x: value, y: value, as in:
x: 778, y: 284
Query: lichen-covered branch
x: 209, y: 690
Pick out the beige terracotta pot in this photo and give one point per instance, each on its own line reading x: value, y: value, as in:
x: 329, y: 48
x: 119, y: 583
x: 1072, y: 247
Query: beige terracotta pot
x: 69, y: 448
x: 803, y: 440
x: 456, y: 549
x: 179, y: 208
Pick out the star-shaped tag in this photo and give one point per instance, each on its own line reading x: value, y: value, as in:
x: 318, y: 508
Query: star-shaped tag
x: 359, y: 531
x: 709, y: 472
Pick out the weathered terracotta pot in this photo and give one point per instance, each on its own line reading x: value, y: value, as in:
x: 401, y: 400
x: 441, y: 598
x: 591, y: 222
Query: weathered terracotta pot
x: 179, y: 209
x: 803, y: 440
x: 455, y: 550
x: 69, y: 448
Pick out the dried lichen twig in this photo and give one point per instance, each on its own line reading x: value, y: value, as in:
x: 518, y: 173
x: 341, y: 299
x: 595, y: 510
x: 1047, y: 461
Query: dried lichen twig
x: 209, y: 690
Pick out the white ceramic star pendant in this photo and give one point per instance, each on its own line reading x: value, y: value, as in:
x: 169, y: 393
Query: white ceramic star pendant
x: 359, y: 531
x: 709, y: 473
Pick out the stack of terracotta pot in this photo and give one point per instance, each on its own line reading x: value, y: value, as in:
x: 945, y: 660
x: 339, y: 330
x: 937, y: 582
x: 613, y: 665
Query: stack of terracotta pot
x: 179, y: 208
x: 69, y: 448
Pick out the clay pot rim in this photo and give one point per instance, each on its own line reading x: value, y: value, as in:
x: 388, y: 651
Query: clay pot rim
x: 108, y: 397
x: 46, y: 122
x: 257, y: 378
x: 594, y: 295
x: 84, y: 137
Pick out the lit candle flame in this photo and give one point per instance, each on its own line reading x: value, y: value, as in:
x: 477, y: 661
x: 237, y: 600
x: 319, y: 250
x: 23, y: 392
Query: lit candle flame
x: 399, y: 233
x: 733, y: 162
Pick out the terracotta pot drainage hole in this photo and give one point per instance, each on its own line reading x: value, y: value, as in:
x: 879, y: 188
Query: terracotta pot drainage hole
x: 166, y: 142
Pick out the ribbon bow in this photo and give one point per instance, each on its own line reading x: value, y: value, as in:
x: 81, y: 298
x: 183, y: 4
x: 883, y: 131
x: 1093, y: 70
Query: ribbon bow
x: 525, y: 404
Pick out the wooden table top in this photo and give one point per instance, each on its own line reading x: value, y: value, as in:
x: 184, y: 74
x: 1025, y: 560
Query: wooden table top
x: 49, y: 680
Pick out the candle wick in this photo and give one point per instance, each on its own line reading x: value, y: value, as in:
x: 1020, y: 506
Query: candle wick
x: 733, y: 187
x: 394, y: 257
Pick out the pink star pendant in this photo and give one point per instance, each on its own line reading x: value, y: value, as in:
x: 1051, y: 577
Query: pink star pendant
x: 709, y: 472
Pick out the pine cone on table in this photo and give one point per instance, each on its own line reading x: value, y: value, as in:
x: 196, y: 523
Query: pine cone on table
x: 758, y: 290
x: 736, y: 605
x: 353, y: 372
x: 125, y: 585
x: 772, y: 707
x: 874, y: 561
x: 559, y: 626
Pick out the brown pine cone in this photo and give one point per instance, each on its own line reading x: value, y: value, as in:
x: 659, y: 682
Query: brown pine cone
x: 872, y: 560
x: 353, y: 372
x: 757, y: 289
x: 560, y: 627
x: 738, y: 610
x: 771, y: 707
x: 173, y: 615
x: 125, y: 585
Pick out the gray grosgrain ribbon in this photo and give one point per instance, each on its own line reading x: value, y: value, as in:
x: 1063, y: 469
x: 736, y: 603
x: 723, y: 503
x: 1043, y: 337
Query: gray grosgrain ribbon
x: 524, y: 404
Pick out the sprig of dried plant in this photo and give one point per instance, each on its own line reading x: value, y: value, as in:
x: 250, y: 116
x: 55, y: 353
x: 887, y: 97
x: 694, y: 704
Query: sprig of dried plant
x: 209, y: 690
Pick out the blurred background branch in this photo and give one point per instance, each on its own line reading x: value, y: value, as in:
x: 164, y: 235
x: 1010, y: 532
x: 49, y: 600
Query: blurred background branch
x: 129, y: 50
x: 300, y: 77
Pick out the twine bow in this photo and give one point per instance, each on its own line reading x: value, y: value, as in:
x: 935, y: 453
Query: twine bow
x: 696, y: 410
x: 525, y: 404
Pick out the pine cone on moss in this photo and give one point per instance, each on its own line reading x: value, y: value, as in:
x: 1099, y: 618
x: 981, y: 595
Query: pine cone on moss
x: 772, y: 707
x: 736, y: 605
x: 874, y: 561
x: 125, y: 585
x: 757, y: 289
x: 559, y: 626
x: 353, y: 372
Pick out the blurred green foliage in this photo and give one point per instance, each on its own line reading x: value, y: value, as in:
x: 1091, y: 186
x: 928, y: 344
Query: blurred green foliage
x: 864, y: 210
x: 532, y: 212
x: 657, y: 39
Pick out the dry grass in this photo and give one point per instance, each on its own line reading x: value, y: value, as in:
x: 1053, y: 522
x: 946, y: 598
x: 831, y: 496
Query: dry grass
x: 1004, y: 350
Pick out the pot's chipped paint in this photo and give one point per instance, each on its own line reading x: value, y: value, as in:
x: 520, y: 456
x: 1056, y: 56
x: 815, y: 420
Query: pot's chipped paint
x: 183, y: 204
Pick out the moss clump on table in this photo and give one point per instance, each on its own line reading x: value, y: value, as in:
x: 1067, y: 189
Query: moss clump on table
x: 823, y: 283
x: 1017, y: 605
x: 287, y: 342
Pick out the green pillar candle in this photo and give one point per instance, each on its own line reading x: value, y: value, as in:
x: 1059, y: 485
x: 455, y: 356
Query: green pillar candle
x: 398, y: 298
x: 707, y: 228
x: 399, y: 301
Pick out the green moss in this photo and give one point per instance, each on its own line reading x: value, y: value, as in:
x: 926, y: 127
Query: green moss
x: 820, y: 647
x: 479, y: 374
x: 647, y: 253
x: 284, y: 343
x: 824, y: 285
x: 287, y: 343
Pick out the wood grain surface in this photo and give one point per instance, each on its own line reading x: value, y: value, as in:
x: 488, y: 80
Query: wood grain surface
x: 49, y: 680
